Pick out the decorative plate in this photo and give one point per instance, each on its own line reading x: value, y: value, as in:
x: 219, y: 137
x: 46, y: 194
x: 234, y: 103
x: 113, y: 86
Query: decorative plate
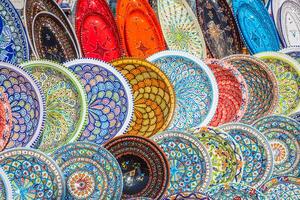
x: 282, y: 187
x: 139, y: 28
x: 96, y: 30
x: 192, y: 4
x: 51, y: 39
x: 233, y: 93
x: 235, y: 191
x: 195, y: 87
x: 287, y: 72
x: 190, y: 164
x: 13, y: 41
x: 257, y: 154
x: 144, y: 165
x: 296, y: 116
x: 217, y: 22
x: 33, y: 175
x: 181, y: 28
x: 225, y: 154
x: 90, y: 171
x: 188, y: 196
x: 262, y: 86
x: 283, y: 135
x: 6, y: 191
x: 5, y: 120
x: 27, y: 105
x: 154, y: 97
x: 109, y: 96
x: 256, y: 26
x: 66, y: 103
x: 294, y: 52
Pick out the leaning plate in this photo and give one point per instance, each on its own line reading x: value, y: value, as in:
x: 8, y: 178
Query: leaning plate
x: 66, y: 103
x: 195, y: 87
x: 145, y: 168
x: 33, y: 175
x: 14, y: 46
x: 221, y: 33
x: 27, y: 105
x: 294, y: 52
x: 257, y: 153
x: 187, y: 196
x: 287, y: 71
x: 190, y: 164
x: 110, y: 99
x: 5, y: 120
x: 6, y: 191
x: 180, y: 27
x: 154, y: 97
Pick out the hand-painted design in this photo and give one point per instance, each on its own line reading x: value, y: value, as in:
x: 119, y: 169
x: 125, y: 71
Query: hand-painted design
x: 296, y: 116
x: 262, y: 86
x: 257, y: 153
x: 51, y: 38
x: 187, y: 195
x: 68, y: 6
x: 90, y: 171
x: 6, y: 191
x: 180, y: 27
x: 144, y: 166
x: 109, y: 96
x: 282, y: 187
x: 294, y: 52
x: 5, y: 120
x: 154, y: 97
x: 235, y: 191
x: 27, y: 105
x: 218, y: 25
x: 190, y: 164
x: 96, y: 30
x: 14, y: 47
x: 225, y: 154
x: 66, y: 103
x: 140, y: 198
x: 195, y: 87
x: 283, y: 134
x: 233, y: 93
x: 33, y: 175
x: 287, y: 72
x: 256, y: 26
x: 192, y: 4
x: 139, y: 28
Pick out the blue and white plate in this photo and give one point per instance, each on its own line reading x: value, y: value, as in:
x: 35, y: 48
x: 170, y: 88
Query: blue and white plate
x: 293, y: 51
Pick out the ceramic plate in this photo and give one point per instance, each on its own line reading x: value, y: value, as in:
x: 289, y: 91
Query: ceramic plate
x: 257, y: 154
x: 195, y: 87
x: 90, y: 171
x: 154, y: 97
x: 283, y: 135
x: 256, y: 26
x: 5, y: 120
x: 110, y: 99
x: 188, y: 196
x: 6, y: 191
x: 294, y: 52
x: 14, y: 47
x: 287, y: 72
x: 180, y: 27
x: 262, y: 86
x: 33, y: 175
x: 218, y: 25
x: 66, y: 103
x: 296, y: 116
x: 144, y: 165
x: 190, y: 164
x: 139, y: 28
x: 96, y: 30
x: 27, y: 105
x: 233, y: 93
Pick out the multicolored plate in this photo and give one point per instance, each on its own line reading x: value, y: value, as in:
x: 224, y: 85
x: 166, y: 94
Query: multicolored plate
x: 6, y: 191
x: 294, y: 52
x: 110, y: 99
x: 296, y: 116
x: 195, y: 87
x: 139, y: 28
x: 90, y: 171
x: 287, y: 72
x: 33, y: 175
x: 154, y: 97
x: 190, y: 164
x: 233, y: 93
x: 14, y: 47
x: 188, y: 196
x: 5, y: 120
x: 283, y: 135
x: 257, y: 153
x: 144, y: 165
x: 27, y: 105
x: 66, y: 103
x: 180, y: 27
x: 262, y: 86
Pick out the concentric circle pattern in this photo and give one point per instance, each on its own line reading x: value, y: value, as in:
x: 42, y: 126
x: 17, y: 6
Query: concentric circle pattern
x: 5, y: 120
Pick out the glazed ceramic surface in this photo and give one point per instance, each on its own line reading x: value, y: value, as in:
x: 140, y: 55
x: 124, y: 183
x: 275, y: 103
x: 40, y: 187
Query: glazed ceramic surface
x: 5, y: 120
x: 296, y: 116
x: 294, y: 52
x: 6, y: 191
x: 187, y: 195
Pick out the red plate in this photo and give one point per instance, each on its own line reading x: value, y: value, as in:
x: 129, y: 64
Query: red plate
x: 5, y: 120
x: 139, y: 28
x: 96, y: 30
